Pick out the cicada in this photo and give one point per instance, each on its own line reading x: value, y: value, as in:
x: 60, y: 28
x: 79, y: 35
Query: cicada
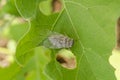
x: 58, y: 41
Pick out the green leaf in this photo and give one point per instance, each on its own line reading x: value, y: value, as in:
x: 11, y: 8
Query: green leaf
x: 9, y: 8
x: 91, y: 24
x: 26, y: 8
x: 9, y: 72
x: 41, y: 58
x: 17, y: 30
x: 38, y: 32
x: 46, y: 7
x: 34, y: 69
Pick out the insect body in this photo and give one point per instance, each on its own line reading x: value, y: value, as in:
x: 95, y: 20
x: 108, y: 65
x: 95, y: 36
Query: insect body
x: 57, y: 41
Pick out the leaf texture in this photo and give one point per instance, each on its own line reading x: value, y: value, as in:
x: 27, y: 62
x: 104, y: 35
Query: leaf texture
x: 91, y: 24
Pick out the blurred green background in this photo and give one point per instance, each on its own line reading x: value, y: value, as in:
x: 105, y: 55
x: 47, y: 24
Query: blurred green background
x: 12, y: 28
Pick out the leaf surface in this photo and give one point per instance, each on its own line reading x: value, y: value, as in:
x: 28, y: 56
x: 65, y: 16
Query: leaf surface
x: 91, y: 24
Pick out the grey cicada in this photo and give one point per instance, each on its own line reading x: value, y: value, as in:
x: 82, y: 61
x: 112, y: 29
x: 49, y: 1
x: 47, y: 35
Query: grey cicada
x: 58, y: 41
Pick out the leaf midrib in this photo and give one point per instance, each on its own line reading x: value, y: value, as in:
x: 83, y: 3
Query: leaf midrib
x: 74, y: 28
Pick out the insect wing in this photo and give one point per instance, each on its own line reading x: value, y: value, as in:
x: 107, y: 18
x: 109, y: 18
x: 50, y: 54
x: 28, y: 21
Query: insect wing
x: 57, y: 41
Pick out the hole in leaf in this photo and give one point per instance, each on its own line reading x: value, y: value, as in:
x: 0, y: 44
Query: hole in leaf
x: 66, y: 58
x: 50, y: 6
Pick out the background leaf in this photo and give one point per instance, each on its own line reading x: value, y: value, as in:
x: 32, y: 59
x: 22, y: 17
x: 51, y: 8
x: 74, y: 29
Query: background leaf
x: 26, y: 8
x: 9, y: 8
x: 34, y: 68
x: 91, y: 24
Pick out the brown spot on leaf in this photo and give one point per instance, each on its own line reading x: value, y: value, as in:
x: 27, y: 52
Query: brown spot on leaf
x: 66, y: 59
x: 56, y: 5
x: 60, y: 59
x: 118, y: 34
